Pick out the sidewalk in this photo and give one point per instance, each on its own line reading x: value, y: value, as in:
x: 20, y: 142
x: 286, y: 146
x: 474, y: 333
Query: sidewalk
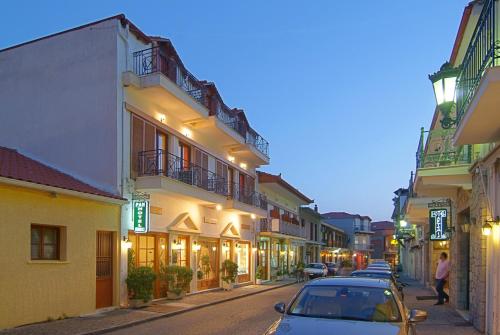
x: 441, y: 320
x: 121, y: 318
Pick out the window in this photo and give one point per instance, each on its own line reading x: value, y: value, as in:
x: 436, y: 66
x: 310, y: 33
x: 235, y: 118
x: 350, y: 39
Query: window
x: 45, y: 242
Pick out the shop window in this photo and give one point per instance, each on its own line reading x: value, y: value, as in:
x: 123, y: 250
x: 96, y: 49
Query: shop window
x: 180, y: 252
x: 242, y: 258
x: 45, y: 242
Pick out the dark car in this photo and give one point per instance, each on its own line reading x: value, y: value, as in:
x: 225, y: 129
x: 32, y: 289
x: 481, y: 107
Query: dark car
x: 380, y: 274
x: 332, y: 268
x: 347, y: 306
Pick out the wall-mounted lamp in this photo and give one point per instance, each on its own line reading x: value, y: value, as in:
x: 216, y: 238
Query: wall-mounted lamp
x: 465, y: 227
x: 127, y: 244
x: 487, y: 227
x: 403, y: 223
x: 196, y: 246
x: 231, y: 158
x: 162, y: 118
x: 214, y: 248
x: 243, y: 166
x: 254, y: 249
x: 225, y: 247
x: 177, y: 245
x: 187, y: 132
x: 253, y: 216
x: 218, y: 207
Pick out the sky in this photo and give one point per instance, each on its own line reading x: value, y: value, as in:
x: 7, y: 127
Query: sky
x: 338, y: 88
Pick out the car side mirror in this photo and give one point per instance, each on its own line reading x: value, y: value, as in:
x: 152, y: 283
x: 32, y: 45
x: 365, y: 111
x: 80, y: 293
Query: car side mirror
x: 396, y: 275
x: 280, y: 307
x: 417, y: 315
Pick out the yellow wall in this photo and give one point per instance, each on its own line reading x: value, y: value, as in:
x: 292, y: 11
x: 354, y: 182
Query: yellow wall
x: 32, y: 291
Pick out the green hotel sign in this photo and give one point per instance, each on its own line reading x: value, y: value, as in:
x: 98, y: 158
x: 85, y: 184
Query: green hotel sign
x: 141, y: 215
x: 438, y: 221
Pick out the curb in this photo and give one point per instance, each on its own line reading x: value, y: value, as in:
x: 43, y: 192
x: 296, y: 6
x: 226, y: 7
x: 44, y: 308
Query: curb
x: 182, y: 311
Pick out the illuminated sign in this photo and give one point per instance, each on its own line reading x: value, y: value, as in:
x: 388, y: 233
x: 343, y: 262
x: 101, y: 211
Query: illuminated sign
x: 438, y: 221
x: 141, y: 215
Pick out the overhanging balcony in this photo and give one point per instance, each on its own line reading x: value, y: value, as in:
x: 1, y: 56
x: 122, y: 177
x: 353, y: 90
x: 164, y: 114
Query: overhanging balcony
x: 439, y: 163
x: 246, y: 200
x: 156, y: 80
x: 282, y: 228
x: 478, y: 86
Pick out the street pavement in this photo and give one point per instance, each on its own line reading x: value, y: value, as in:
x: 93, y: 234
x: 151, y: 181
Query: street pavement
x: 250, y: 315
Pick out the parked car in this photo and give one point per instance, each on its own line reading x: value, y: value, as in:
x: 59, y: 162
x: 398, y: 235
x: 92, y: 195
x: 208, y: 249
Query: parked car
x: 380, y: 274
x: 380, y: 267
x: 347, y: 306
x: 315, y: 270
x: 332, y: 268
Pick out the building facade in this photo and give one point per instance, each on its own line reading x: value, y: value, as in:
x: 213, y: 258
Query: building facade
x: 334, y: 245
x: 358, y: 230
x: 47, y: 217
x: 283, y: 236
x: 384, y: 244
x: 311, y: 220
x: 160, y: 138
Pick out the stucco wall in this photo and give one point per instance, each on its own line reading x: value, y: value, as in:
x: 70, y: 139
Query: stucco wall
x: 59, y: 98
x: 33, y: 291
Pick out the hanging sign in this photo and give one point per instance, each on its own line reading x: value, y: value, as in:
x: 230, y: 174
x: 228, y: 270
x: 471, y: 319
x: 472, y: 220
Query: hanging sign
x: 438, y: 221
x: 141, y: 215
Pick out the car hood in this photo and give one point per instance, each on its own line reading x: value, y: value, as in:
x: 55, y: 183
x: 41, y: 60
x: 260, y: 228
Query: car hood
x: 292, y: 325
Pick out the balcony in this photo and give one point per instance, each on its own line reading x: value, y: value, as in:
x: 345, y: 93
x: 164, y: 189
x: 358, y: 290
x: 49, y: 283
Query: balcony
x: 161, y: 77
x: 478, y: 85
x: 439, y: 163
x: 160, y: 170
x: 282, y: 227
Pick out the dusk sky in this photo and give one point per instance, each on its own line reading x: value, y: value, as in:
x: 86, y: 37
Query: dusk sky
x: 338, y: 88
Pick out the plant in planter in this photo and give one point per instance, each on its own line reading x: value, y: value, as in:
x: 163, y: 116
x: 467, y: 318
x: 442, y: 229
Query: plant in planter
x: 199, y: 274
x: 140, y: 286
x: 229, y: 272
x: 177, y: 279
x: 300, y: 271
x: 259, y: 274
x: 279, y: 275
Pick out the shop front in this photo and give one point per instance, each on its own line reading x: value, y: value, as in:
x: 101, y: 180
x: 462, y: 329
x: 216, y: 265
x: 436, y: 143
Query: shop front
x: 207, y: 263
x: 263, y: 257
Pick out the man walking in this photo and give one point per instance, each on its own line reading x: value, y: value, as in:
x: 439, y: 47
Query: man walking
x: 442, y: 272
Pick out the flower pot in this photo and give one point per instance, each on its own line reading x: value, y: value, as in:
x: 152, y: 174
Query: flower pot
x: 258, y: 281
x: 175, y: 296
x: 227, y: 286
x: 138, y: 303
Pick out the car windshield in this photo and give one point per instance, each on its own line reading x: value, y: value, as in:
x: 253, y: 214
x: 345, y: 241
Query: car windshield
x: 346, y: 303
x: 314, y: 266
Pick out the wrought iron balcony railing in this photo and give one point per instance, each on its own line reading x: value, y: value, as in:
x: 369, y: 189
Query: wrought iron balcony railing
x: 228, y: 117
x: 436, y: 150
x: 153, y: 60
x: 161, y: 163
x: 483, y: 52
x: 248, y: 196
x: 257, y: 141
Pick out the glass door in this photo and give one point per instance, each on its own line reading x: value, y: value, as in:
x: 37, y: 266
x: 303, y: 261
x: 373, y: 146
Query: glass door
x: 207, y: 268
x: 243, y: 261
x: 262, y: 259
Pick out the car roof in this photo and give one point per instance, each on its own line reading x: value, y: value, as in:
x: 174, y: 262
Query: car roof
x: 315, y: 263
x: 350, y: 281
x: 372, y: 271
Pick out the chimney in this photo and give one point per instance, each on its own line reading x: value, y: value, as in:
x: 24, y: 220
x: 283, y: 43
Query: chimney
x: 316, y: 208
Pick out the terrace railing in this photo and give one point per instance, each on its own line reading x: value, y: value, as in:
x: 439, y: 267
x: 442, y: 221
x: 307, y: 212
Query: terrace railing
x: 258, y: 142
x: 248, y: 196
x: 161, y: 163
x: 483, y: 52
x: 153, y: 60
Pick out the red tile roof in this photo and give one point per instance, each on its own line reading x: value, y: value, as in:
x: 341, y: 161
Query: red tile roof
x: 16, y: 166
x: 271, y: 178
x: 344, y: 215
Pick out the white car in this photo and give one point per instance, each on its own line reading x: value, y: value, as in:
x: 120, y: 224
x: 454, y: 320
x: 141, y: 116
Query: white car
x: 315, y: 270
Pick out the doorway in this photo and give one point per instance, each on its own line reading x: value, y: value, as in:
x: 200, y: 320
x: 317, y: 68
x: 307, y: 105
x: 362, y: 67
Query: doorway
x: 104, y: 269
x: 207, y: 269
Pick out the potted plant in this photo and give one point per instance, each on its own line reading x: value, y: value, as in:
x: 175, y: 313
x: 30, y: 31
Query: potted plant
x: 259, y: 274
x: 229, y: 272
x: 177, y: 279
x: 279, y: 275
x: 300, y: 271
x: 140, y: 286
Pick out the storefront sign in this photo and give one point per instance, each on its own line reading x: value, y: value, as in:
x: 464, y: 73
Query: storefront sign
x: 438, y: 221
x: 141, y: 216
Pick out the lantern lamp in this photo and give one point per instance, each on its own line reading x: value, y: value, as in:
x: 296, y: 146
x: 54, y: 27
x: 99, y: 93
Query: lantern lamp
x: 444, y: 83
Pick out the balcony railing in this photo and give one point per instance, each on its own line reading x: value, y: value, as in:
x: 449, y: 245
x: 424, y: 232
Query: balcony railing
x: 253, y: 138
x: 153, y: 60
x: 437, y: 150
x: 161, y: 163
x: 482, y: 52
x: 230, y: 119
x: 283, y: 228
x: 248, y: 196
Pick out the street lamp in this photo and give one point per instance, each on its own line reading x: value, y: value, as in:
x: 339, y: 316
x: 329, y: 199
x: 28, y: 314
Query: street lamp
x: 444, y: 83
x: 403, y: 223
x: 487, y: 228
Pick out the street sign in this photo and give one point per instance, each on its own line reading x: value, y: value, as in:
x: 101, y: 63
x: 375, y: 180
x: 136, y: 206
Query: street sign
x: 438, y: 221
x: 140, y: 216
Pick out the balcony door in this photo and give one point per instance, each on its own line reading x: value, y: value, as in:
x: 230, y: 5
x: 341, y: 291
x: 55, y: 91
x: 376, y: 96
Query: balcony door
x: 161, y: 151
x: 200, y: 169
x: 221, y: 170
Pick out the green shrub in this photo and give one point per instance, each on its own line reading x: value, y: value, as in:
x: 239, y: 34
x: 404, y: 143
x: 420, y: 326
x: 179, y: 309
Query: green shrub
x: 260, y: 272
x: 140, y: 282
x: 178, y: 278
x: 229, y: 271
